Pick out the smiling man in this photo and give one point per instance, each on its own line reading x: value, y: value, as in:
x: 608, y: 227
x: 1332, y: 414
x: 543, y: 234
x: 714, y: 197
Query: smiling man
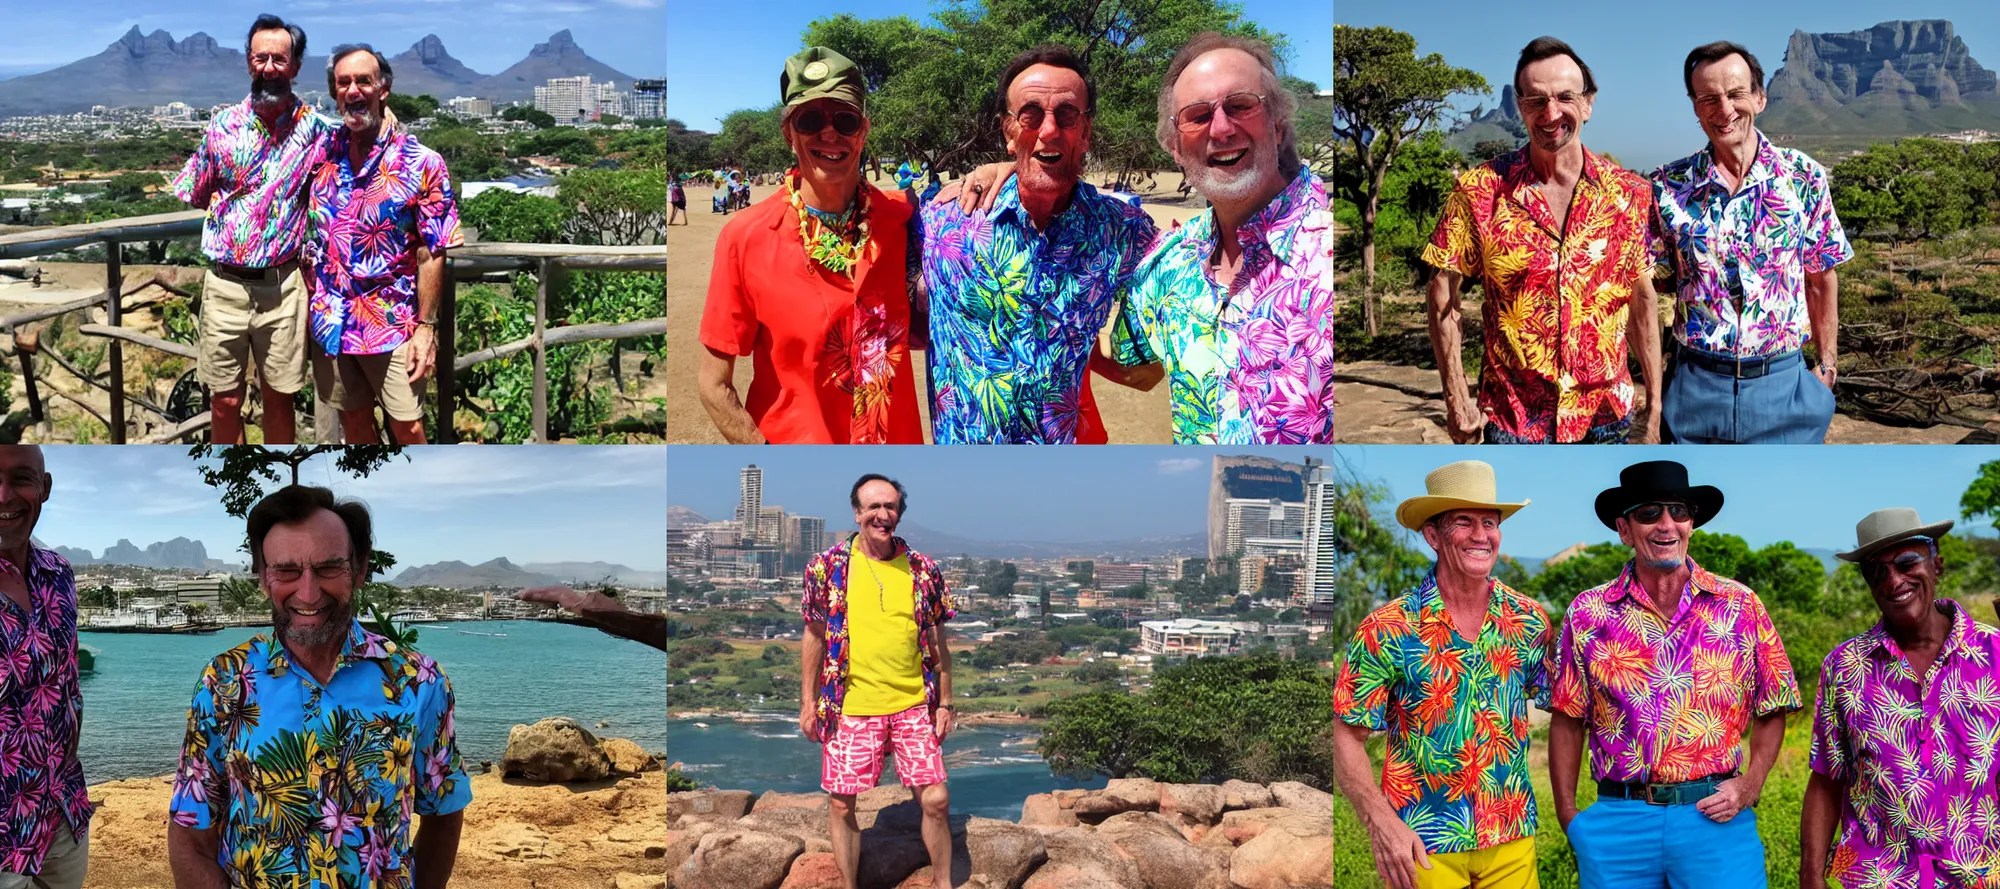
x: 1745, y: 233
x: 309, y: 748
x: 1663, y: 669
x: 812, y: 285
x: 1447, y: 669
x: 1905, y: 730
x: 45, y: 843
x: 875, y: 673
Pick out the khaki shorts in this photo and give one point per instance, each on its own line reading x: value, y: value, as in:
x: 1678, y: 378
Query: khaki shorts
x: 247, y: 318
x: 62, y: 868
x: 359, y: 382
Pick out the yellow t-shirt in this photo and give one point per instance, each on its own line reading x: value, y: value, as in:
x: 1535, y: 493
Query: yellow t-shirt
x: 884, y: 674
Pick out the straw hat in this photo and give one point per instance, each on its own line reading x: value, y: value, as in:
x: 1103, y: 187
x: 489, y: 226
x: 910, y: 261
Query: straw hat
x: 1885, y: 527
x: 1467, y: 484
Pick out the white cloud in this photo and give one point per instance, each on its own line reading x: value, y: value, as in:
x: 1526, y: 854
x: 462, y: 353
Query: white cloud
x: 1180, y: 465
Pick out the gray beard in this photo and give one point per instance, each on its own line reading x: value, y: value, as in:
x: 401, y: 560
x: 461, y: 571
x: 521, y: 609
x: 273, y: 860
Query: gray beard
x: 1237, y: 184
x: 365, y: 119
x: 332, y: 630
x: 270, y: 94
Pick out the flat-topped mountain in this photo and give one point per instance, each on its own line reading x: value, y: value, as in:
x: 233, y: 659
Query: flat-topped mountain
x: 1895, y: 79
x: 503, y: 574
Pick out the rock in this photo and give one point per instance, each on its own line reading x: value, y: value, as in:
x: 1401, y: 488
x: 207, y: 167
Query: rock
x: 738, y: 859
x: 808, y: 826
x: 893, y: 798
x: 1293, y: 795
x: 681, y: 843
x: 1166, y: 860
x: 707, y: 805
x: 1200, y: 802
x: 1120, y: 795
x: 638, y: 881
x: 775, y: 800
x: 1244, y: 795
x: 602, y: 724
x: 1003, y: 851
x: 887, y: 859
x: 1067, y: 798
x: 517, y: 841
x: 554, y: 751
x: 1282, y: 858
x: 813, y: 870
x: 1241, y: 827
x: 627, y: 757
x: 1080, y: 859
x: 1041, y: 810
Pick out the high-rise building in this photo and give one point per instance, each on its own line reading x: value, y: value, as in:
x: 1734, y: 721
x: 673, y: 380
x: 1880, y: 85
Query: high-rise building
x: 750, y: 503
x: 1318, y: 579
x: 470, y: 106
x: 567, y: 99
x: 1248, y: 518
x: 649, y: 99
x: 771, y: 527
x: 805, y: 533
x: 1249, y: 479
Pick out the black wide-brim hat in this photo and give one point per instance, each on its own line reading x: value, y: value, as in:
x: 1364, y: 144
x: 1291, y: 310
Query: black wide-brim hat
x: 1657, y: 481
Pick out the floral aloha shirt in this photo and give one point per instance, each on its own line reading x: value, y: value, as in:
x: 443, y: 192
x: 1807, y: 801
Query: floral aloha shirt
x: 252, y: 182
x: 1556, y: 299
x: 1252, y: 362
x: 366, y: 227
x: 1668, y: 700
x: 1456, y: 765
x: 41, y: 709
x: 1014, y: 312
x: 1767, y: 236
x: 1916, y: 758
x: 315, y: 785
x: 825, y: 602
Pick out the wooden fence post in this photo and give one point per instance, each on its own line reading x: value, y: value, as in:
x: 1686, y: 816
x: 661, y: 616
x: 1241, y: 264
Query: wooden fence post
x: 541, y: 406
x: 114, y: 283
x: 447, y: 356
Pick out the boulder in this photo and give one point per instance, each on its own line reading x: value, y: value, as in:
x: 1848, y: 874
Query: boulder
x: 1004, y: 852
x: 806, y: 825
x: 1041, y: 810
x: 707, y: 805
x: 1284, y: 858
x: 1120, y: 795
x: 1244, y: 795
x: 775, y: 800
x: 738, y: 859
x: 1293, y: 795
x: 1242, y: 826
x: 813, y: 870
x: 895, y: 799
x: 888, y: 859
x: 556, y: 750
x: 1201, y: 803
x: 1080, y: 859
x: 1166, y: 860
x: 627, y: 757
x: 681, y: 843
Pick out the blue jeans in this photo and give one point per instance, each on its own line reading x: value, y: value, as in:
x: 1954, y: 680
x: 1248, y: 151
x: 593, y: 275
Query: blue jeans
x: 1633, y: 844
x: 1789, y: 405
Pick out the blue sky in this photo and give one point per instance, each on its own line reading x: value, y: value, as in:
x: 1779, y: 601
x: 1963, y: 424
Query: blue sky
x: 487, y: 35
x: 1642, y: 113
x: 1809, y: 494
x: 720, y: 63
x: 539, y: 503
x: 1040, y: 494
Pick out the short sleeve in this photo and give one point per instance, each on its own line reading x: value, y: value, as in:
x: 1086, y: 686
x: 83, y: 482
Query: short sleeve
x: 195, y: 183
x: 813, y: 602
x: 1364, y: 684
x: 1825, y: 242
x: 437, y: 207
x: 1569, y: 678
x: 201, y: 787
x: 1660, y: 248
x: 1640, y: 249
x: 729, y: 317
x: 1135, y: 324
x: 1832, y: 748
x: 442, y: 786
x: 1454, y: 244
x: 1540, y: 650
x: 1140, y: 235
x: 942, y: 605
x: 1774, y: 689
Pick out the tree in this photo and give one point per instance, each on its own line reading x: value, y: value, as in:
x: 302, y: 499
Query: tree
x: 1916, y: 189
x: 625, y: 207
x: 1096, y: 673
x: 515, y: 217
x: 410, y: 109
x: 240, y: 594
x: 1597, y: 564
x: 535, y: 117
x: 131, y: 187
x: 1785, y: 576
x: 1383, y: 95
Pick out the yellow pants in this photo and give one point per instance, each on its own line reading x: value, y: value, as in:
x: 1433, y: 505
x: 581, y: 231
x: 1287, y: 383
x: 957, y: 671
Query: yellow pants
x: 1506, y: 866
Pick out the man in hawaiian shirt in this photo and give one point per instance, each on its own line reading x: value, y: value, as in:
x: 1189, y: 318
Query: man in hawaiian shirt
x: 1663, y: 668
x: 812, y: 284
x: 1746, y: 233
x: 875, y: 673
x: 1017, y: 293
x: 309, y: 748
x: 249, y: 173
x: 1238, y: 303
x: 1447, y: 669
x: 45, y: 842
x: 383, y: 216
x: 1906, y: 729
x: 1556, y: 236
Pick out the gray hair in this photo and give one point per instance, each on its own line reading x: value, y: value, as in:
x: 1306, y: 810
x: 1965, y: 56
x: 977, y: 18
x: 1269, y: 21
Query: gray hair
x: 347, y: 49
x: 1279, y: 102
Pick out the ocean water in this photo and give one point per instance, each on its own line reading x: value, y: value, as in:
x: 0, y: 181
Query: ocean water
x: 135, y: 705
x: 990, y: 769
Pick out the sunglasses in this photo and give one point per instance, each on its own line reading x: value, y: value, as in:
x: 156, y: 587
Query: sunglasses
x: 1239, y: 106
x: 1649, y: 513
x: 1032, y: 115
x: 812, y: 120
x: 1875, y: 570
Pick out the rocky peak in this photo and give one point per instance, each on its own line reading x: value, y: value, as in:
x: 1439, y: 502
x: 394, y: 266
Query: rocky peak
x: 560, y: 44
x: 1897, y: 61
x: 430, y: 49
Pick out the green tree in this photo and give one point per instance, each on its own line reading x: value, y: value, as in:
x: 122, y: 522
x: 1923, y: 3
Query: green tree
x: 752, y: 139
x: 1597, y: 564
x: 1723, y: 554
x: 410, y: 109
x: 1786, y: 576
x: 535, y: 117
x: 625, y: 207
x: 1915, y: 189
x: 515, y: 217
x: 1096, y: 673
x: 1384, y: 95
x: 131, y: 187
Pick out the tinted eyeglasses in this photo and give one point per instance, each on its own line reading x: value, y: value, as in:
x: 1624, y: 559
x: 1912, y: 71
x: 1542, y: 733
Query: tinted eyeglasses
x: 1240, y: 107
x: 1876, y: 570
x: 1031, y: 116
x: 812, y: 120
x: 1649, y: 513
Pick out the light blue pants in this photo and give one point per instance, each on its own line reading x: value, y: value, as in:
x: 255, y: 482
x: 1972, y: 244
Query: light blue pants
x: 1632, y: 844
x: 1787, y: 406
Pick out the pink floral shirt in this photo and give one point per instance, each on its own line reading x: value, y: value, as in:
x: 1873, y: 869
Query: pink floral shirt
x: 1668, y: 700
x: 252, y: 182
x: 41, y: 709
x: 367, y: 224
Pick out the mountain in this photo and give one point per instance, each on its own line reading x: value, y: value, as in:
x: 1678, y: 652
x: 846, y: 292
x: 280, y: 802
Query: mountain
x: 560, y: 57
x: 427, y: 68
x: 592, y: 572
x: 179, y: 552
x: 681, y: 517
x: 496, y: 573
x: 1503, y: 123
x: 1899, y: 78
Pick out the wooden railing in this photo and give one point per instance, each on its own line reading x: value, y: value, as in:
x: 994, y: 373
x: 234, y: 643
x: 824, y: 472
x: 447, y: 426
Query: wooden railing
x: 467, y: 262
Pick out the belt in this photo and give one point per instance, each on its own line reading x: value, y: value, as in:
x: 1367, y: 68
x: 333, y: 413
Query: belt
x: 1737, y: 367
x: 267, y: 273
x: 1684, y: 793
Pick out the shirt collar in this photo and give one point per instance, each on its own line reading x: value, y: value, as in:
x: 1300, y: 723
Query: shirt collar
x: 297, y: 112
x: 1700, y: 581
x: 1878, y: 639
x: 1764, y: 166
x: 1198, y: 235
x: 1518, y: 172
x: 361, y: 645
x: 1429, y: 600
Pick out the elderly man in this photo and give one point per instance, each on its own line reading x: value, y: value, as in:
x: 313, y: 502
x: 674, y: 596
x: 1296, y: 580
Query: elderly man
x: 1663, y: 668
x: 309, y: 748
x: 45, y: 844
x: 875, y: 680
x: 1905, y: 730
x: 1447, y: 669
x: 383, y: 216
x: 1745, y: 233
x: 1556, y: 236
x: 249, y: 173
x: 794, y: 285
x: 1018, y: 293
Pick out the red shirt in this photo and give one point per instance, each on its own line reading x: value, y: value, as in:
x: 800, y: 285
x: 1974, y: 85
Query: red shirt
x: 792, y: 317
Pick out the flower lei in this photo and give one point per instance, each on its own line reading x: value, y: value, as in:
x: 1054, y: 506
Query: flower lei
x: 836, y: 248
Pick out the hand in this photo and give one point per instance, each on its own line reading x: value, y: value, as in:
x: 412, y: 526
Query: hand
x: 1730, y: 797
x: 1827, y: 373
x: 808, y: 717
x: 1398, y: 853
x: 569, y: 599
x: 980, y: 187
x: 423, y: 352
x: 1464, y: 422
x: 942, y: 722
x: 1564, y: 815
x: 1649, y: 428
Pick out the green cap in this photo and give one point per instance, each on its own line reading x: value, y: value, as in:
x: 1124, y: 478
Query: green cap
x: 821, y: 73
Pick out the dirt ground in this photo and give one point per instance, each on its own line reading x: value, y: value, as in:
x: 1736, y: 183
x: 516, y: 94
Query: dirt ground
x: 1130, y: 416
